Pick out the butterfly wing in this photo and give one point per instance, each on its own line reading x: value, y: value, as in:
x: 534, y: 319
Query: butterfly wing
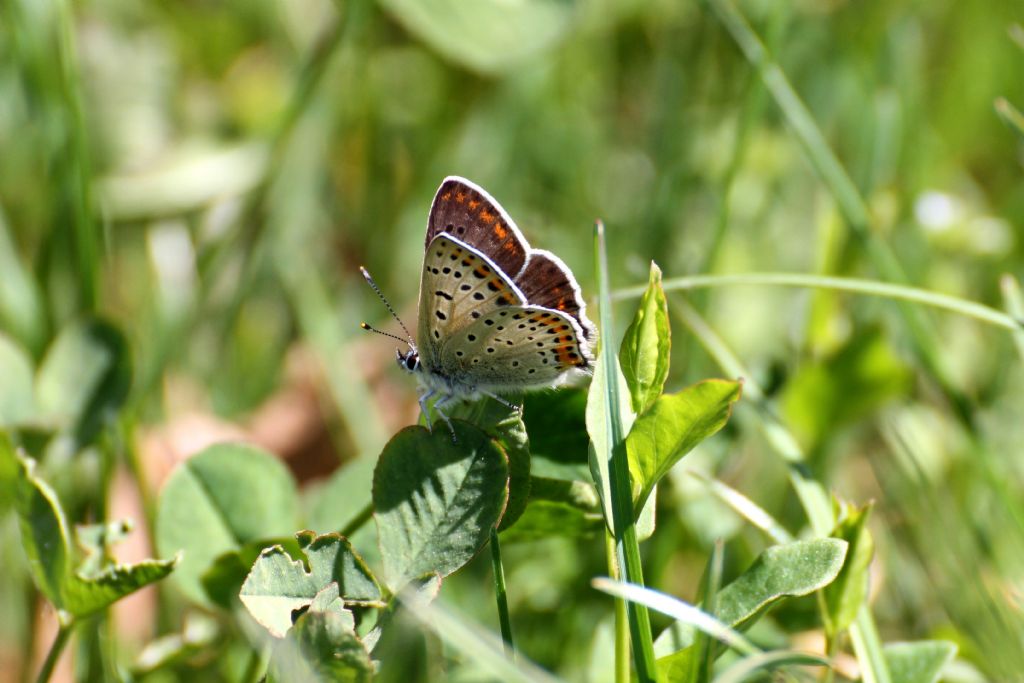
x: 514, y: 347
x: 458, y: 287
x: 467, y: 212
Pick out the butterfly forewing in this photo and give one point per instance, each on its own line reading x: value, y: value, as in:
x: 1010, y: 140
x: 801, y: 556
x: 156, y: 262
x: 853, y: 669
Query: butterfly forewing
x: 459, y: 286
x: 468, y: 213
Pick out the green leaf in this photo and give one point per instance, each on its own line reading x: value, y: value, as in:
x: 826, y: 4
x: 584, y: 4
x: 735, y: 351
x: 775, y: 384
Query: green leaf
x: 44, y: 535
x: 486, y: 36
x: 779, y: 572
x: 646, y: 346
x: 345, y: 494
x: 222, y: 498
x: 17, y: 394
x: 223, y: 580
x: 279, y: 585
x: 323, y: 645
x: 507, y: 428
x: 84, y: 378
x: 597, y: 428
x: 918, y: 662
x: 436, y: 499
x: 672, y: 427
x: 557, y: 424
x: 845, y: 595
x: 558, y: 508
x: 199, y: 634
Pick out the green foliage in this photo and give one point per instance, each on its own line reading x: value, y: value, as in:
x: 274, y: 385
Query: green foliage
x: 847, y: 594
x: 436, y: 498
x: 76, y: 591
x: 646, y: 346
x: 216, y: 502
x: 17, y: 395
x: 780, y: 572
x: 918, y: 662
x: 670, y: 429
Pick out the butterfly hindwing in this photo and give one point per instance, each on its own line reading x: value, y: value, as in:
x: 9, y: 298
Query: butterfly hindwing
x: 513, y: 347
x: 458, y: 287
x: 547, y: 282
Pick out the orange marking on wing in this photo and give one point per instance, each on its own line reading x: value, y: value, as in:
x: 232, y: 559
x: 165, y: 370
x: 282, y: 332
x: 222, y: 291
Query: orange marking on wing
x: 500, y: 231
x: 486, y: 216
x: 447, y: 195
x: 510, y: 246
x: 460, y: 197
x: 473, y: 203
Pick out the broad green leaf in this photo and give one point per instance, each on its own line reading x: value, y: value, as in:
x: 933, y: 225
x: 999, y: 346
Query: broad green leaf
x: 322, y: 645
x: 222, y: 498
x: 646, y: 346
x: 84, y: 379
x: 597, y: 428
x: 672, y: 427
x: 558, y: 508
x: 345, y: 494
x: 17, y: 393
x: 779, y: 572
x: 436, y: 499
x: 44, y: 534
x: 486, y: 36
x: 44, y: 531
x: 918, y: 662
x: 278, y: 585
x: 223, y: 580
x: 748, y: 668
x: 507, y: 428
x: 845, y: 595
x: 557, y: 424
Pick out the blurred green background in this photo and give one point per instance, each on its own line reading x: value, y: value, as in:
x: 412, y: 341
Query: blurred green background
x: 208, y: 175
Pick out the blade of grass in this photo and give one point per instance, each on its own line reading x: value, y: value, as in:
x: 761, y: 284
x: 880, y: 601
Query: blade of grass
x: 979, y: 312
x: 1010, y: 114
x: 473, y: 641
x: 812, y: 494
x: 749, y: 666
x: 627, y: 547
x: 851, y: 205
x: 1014, y: 302
x: 499, y: 595
x: 679, y: 610
x: 747, y: 509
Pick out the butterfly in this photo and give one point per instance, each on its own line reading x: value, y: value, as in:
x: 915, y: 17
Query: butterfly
x: 495, y: 315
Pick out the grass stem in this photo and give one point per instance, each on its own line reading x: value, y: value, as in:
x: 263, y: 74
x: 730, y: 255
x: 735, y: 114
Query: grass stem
x: 500, y: 595
x: 623, y: 523
x: 63, y: 635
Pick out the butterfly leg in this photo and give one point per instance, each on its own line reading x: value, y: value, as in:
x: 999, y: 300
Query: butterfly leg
x: 424, y: 408
x: 499, y: 399
x: 437, y: 406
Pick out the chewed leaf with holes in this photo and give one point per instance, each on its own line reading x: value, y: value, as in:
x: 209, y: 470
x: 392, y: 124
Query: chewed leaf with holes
x: 279, y: 585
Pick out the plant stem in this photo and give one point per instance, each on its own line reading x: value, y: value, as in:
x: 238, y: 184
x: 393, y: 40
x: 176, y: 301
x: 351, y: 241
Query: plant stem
x: 500, y: 596
x: 256, y: 669
x: 358, y: 521
x: 621, y: 619
x: 627, y: 546
x: 844, y: 284
x: 63, y: 634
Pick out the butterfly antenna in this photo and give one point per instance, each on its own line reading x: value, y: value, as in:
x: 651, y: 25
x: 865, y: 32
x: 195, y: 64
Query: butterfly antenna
x: 369, y: 281
x: 371, y: 328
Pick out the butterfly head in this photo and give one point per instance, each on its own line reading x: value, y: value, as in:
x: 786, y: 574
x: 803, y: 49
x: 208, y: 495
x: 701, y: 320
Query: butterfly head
x: 408, y: 360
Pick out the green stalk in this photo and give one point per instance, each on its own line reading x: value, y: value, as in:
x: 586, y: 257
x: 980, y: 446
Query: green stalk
x: 364, y: 516
x: 811, y: 494
x: 621, y: 619
x: 627, y: 548
x: 885, y: 290
x: 1014, y: 302
x: 500, y: 595
x: 851, y: 205
x: 63, y: 635
x: 1010, y: 114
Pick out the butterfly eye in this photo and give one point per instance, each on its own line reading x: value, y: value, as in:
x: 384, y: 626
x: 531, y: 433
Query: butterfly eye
x: 412, y: 361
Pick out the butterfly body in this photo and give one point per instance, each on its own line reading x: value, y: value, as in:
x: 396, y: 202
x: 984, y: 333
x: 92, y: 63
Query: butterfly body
x: 495, y: 315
